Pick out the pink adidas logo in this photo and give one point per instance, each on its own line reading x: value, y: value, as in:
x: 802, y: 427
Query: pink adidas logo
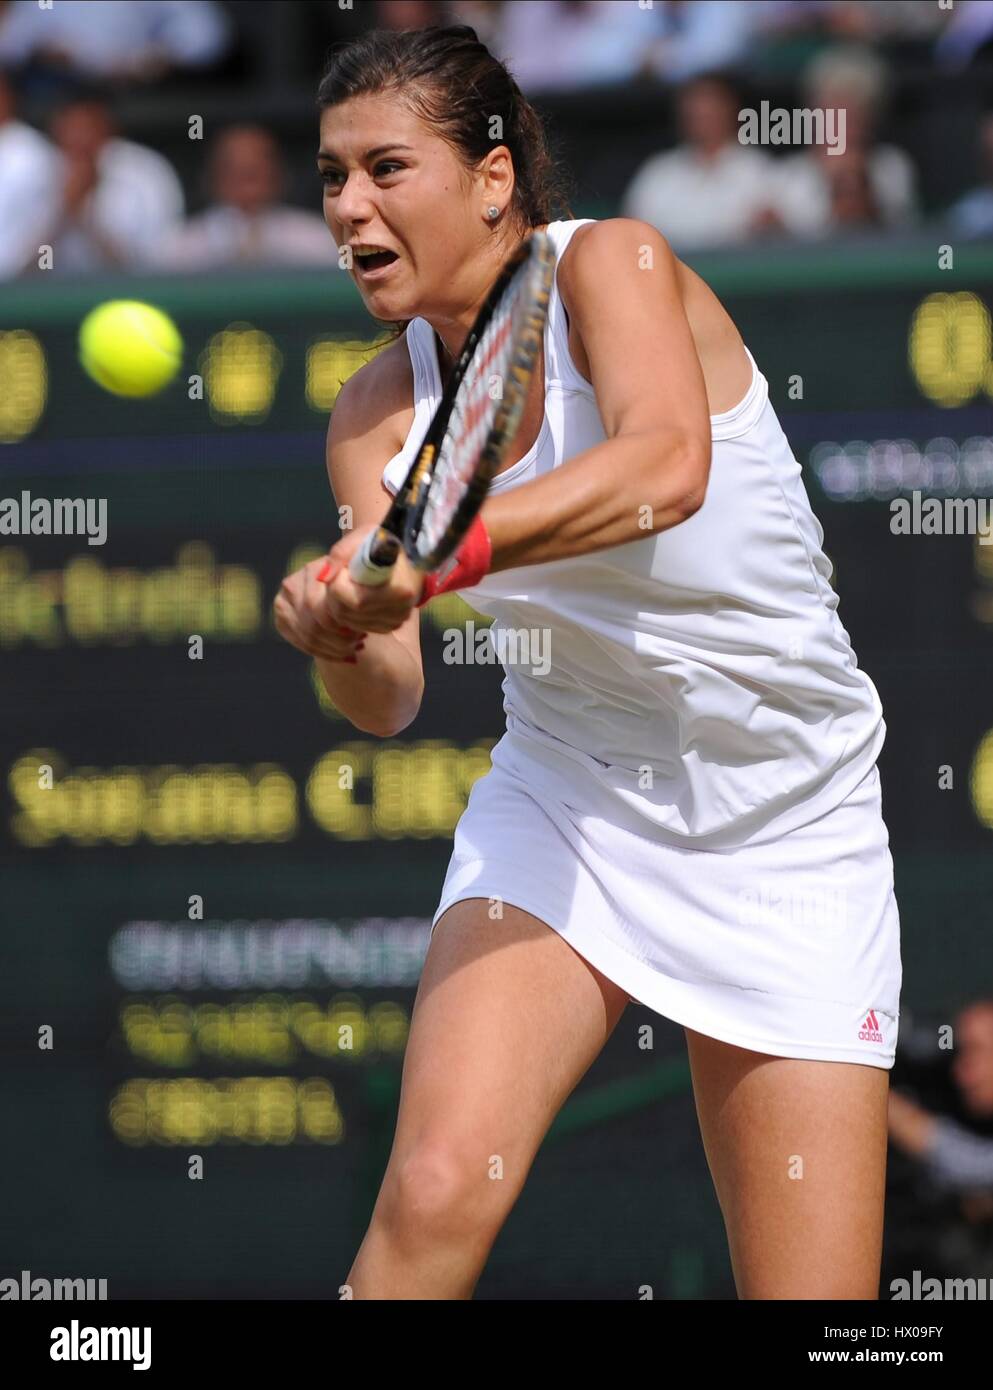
x: 869, y: 1032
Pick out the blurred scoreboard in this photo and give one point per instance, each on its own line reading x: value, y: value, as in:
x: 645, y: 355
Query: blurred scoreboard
x: 217, y: 893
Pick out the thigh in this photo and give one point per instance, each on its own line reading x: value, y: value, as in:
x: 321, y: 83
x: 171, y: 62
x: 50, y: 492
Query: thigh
x: 508, y: 1018
x: 797, y: 1151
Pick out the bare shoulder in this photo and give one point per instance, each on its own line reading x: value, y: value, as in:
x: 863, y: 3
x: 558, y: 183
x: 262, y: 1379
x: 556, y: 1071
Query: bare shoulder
x: 374, y: 400
x: 603, y: 286
x: 613, y: 242
x: 370, y: 421
x: 593, y: 286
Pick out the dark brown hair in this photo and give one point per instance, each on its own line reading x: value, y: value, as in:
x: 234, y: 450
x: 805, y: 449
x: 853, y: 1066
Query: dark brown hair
x: 450, y: 80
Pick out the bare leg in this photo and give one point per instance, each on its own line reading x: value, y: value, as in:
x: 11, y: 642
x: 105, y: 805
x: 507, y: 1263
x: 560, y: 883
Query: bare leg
x: 797, y: 1151
x: 507, y: 1020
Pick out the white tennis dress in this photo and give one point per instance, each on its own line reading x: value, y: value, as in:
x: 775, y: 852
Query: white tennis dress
x: 687, y: 790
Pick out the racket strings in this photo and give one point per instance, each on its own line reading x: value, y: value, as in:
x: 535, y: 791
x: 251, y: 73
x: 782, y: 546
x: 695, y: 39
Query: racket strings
x: 494, y: 354
x: 473, y: 414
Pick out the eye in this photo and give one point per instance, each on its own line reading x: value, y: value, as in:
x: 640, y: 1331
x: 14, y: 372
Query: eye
x: 331, y: 178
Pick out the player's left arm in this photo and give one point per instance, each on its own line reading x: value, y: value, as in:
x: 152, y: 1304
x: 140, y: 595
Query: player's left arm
x: 619, y: 286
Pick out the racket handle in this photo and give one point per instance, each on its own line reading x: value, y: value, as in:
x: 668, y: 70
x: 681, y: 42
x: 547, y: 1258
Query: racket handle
x: 373, y: 563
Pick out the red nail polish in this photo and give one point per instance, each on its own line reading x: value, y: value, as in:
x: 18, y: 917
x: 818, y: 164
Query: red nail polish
x: 323, y: 572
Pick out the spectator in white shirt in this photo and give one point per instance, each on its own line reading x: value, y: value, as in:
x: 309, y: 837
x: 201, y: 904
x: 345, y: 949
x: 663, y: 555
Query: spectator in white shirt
x: 820, y: 192
x: 701, y: 36
x: 28, y: 176
x: 110, y: 40
x: 115, y: 200
x: 246, y: 223
x: 711, y: 190
x: 570, y: 44
x: 564, y: 45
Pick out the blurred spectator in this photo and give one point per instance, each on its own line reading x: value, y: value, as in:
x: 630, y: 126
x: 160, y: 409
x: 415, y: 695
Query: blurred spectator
x: 113, y: 41
x: 28, y: 173
x: 952, y: 1157
x: 785, y: 34
x: 869, y: 183
x: 868, y: 20
x: 700, y: 36
x: 972, y: 215
x: 560, y: 45
x: 968, y: 34
x: 789, y: 33
x: 946, y: 1222
x: 852, y: 201
x: 872, y: 20
x: 113, y: 200
x: 886, y: 20
x: 246, y: 223
x: 710, y: 190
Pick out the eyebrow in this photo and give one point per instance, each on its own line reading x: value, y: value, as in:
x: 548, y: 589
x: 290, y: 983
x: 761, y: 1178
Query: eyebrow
x: 369, y: 154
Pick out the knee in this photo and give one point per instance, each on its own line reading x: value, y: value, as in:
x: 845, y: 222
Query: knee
x: 444, y: 1191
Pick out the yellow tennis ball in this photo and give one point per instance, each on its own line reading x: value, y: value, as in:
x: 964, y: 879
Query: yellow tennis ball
x: 130, y: 348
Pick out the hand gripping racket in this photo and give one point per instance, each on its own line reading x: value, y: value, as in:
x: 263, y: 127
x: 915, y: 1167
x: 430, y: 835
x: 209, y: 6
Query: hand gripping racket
x: 473, y: 426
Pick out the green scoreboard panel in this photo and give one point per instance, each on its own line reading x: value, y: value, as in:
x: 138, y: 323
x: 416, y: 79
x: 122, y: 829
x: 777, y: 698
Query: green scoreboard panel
x: 217, y: 893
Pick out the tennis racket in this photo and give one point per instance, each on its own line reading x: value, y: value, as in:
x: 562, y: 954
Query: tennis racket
x: 474, y: 425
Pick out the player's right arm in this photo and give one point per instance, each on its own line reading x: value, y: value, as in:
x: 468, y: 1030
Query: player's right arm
x: 381, y: 693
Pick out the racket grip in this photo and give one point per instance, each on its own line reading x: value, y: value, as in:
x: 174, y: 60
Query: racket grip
x: 373, y: 563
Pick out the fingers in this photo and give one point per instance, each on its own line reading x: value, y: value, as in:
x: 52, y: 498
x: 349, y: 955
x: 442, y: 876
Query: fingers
x: 315, y: 598
x: 301, y: 619
x: 313, y: 645
x: 367, y: 608
x: 322, y: 612
x: 320, y: 574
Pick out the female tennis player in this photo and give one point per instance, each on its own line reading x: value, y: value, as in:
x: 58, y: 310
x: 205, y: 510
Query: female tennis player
x: 685, y: 809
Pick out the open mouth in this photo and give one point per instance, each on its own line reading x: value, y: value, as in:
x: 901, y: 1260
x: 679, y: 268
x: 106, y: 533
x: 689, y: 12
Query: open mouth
x: 368, y: 262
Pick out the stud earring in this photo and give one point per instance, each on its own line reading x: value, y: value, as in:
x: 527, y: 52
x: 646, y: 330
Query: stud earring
x: 492, y: 213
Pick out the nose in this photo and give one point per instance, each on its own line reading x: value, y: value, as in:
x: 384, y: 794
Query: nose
x: 353, y: 205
